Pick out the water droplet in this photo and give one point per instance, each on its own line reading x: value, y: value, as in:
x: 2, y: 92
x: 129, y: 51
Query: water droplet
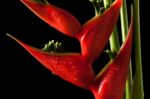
x: 53, y: 14
x: 55, y: 62
x: 58, y: 19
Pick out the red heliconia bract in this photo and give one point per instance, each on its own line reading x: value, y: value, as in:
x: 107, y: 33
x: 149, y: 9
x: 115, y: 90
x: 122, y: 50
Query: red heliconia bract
x: 96, y: 32
x: 69, y: 66
x: 55, y: 17
x: 110, y: 83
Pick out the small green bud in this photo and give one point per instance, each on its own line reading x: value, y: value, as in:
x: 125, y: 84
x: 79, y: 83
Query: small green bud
x: 53, y: 47
x: 111, y: 54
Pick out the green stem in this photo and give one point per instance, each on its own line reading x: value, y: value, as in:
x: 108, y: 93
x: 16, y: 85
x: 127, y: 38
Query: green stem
x: 124, y: 29
x: 114, y: 39
x: 124, y: 20
x: 137, y: 90
x: 107, y: 3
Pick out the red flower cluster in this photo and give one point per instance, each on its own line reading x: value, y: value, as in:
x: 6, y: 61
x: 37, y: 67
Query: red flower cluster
x: 93, y: 37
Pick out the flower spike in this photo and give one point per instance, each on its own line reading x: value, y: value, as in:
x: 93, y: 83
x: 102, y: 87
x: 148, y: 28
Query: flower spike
x: 72, y: 67
x: 93, y: 36
x: 110, y: 83
x: 54, y: 16
x: 96, y: 32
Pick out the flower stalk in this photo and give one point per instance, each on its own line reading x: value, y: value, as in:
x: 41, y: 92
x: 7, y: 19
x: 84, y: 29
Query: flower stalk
x: 137, y: 88
x: 114, y: 38
x: 124, y: 29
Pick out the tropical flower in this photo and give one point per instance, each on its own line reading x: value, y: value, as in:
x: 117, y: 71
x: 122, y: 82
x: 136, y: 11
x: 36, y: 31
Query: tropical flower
x: 93, y: 36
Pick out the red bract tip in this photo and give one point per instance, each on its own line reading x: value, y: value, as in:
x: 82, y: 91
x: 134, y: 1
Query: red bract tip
x: 96, y: 32
x: 110, y: 83
x: 72, y: 67
x: 55, y: 17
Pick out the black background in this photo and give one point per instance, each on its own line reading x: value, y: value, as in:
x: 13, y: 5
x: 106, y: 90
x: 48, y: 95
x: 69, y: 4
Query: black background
x: 21, y: 75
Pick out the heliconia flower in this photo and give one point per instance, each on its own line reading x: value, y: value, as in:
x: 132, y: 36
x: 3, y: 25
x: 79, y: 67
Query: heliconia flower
x: 76, y: 68
x: 94, y: 34
x: 73, y: 67
x: 110, y: 82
